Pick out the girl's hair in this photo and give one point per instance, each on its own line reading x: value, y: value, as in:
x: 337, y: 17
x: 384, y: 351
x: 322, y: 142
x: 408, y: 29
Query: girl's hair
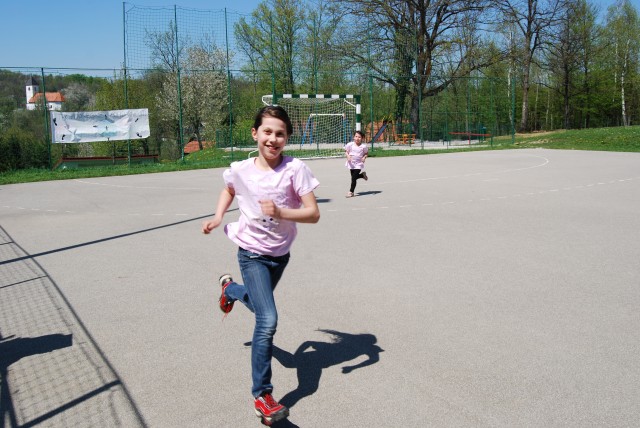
x: 276, y: 112
x: 361, y: 133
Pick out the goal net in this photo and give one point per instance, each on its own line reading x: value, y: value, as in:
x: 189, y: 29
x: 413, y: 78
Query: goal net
x: 322, y: 124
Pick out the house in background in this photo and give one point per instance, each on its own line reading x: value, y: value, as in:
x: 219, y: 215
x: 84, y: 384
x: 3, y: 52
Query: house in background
x: 54, y: 99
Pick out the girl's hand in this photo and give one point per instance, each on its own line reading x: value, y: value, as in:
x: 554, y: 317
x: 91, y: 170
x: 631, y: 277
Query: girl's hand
x: 269, y: 208
x: 208, y: 226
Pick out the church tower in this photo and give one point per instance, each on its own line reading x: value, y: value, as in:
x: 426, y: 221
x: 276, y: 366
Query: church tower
x: 32, y: 88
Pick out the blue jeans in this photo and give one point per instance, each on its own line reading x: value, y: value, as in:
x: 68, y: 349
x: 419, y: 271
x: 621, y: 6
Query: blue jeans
x: 260, y: 275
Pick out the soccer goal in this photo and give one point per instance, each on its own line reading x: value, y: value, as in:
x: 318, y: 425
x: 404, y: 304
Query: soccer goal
x: 322, y: 124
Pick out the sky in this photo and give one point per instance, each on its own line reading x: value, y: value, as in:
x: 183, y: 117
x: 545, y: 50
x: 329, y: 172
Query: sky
x: 78, y: 33
x: 88, y: 34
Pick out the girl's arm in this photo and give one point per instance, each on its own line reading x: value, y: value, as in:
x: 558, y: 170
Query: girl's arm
x: 309, y: 213
x: 224, y: 201
x: 347, y: 152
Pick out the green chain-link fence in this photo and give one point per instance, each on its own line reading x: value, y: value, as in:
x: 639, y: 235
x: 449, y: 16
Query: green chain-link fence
x: 202, y: 88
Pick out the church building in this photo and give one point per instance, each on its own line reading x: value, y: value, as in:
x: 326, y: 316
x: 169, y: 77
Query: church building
x: 54, y: 100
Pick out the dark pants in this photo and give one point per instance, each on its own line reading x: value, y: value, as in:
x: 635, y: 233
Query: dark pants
x: 355, y: 174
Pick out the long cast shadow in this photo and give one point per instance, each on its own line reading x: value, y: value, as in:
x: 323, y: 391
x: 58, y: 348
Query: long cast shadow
x: 312, y: 357
x: 368, y: 193
x: 109, y: 238
x: 90, y: 386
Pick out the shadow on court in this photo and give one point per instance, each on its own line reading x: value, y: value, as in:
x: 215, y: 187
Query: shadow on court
x: 12, y: 350
x: 110, y: 238
x: 312, y: 357
x: 369, y: 193
x: 60, y: 378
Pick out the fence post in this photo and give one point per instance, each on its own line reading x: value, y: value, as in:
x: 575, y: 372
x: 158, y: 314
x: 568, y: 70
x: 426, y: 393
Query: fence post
x: 124, y: 64
x: 180, y: 131
x: 46, y: 121
x: 513, y: 108
x: 230, y: 99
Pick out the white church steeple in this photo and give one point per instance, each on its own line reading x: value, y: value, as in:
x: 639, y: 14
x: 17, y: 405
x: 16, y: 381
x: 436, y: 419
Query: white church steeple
x: 32, y: 88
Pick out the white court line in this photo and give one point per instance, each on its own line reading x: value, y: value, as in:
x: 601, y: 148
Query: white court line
x: 495, y: 198
x: 544, y: 161
x: 122, y: 186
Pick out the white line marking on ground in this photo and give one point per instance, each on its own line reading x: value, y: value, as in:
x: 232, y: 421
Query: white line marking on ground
x: 544, y: 162
x: 122, y: 186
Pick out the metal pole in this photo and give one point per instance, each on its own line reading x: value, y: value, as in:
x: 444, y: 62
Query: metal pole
x: 419, y: 80
x: 513, y: 109
x: 180, y: 131
x: 273, y: 71
x: 46, y: 121
x: 124, y: 63
x: 230, y: 98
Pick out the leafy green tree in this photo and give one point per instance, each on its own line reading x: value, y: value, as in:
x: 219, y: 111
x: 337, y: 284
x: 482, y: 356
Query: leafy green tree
x: 622, y: 35
x: 322, y: 67
x: 271, y: 39
x: 532, y: 19
x: 419, y: 48
x: 203, y: 91
x: 79, y: 97
x: 566, y: 53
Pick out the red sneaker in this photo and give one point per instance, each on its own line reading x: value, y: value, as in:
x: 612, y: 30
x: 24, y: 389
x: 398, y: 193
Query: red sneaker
x: 225, y: 304
x: 269, y: 409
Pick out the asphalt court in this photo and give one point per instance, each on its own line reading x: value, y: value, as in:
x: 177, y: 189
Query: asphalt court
x: 495, y: 288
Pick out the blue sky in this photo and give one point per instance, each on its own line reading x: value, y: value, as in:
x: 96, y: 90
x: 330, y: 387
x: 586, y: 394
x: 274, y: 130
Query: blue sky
x: 87, y: 33
x: 78, y: 33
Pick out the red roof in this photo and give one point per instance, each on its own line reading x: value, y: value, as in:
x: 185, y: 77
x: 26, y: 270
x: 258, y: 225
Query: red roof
x: 192, y: 146
x: 52, y: 97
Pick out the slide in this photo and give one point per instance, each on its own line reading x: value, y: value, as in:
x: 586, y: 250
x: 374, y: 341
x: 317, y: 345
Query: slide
x: 380, y: 131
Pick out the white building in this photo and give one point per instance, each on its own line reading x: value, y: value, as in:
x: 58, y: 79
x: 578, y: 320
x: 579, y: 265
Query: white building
x: 54, y: 99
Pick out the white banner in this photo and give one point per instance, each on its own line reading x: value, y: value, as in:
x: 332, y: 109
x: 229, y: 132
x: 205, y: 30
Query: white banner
x: 91, y: 126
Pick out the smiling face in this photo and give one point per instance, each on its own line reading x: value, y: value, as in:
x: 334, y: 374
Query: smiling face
x: 271, y: 137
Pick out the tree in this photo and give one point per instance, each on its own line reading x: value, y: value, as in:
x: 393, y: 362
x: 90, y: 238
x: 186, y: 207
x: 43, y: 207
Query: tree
x: 78, y: 97
x: 166, y: 47
x: 622, y: 35
x: 322, y: 26
x: 587, y: 33
x: 532, y: 18
x: 271, y: 39
x: 418, y: 47
x: 565, y: 51
x: 203, y: 90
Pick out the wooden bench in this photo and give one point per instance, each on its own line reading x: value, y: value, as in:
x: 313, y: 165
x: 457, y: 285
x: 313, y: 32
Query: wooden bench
x: 406, y: 139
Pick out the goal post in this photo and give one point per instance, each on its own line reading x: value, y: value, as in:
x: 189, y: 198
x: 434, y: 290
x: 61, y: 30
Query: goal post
x: 322, y: 124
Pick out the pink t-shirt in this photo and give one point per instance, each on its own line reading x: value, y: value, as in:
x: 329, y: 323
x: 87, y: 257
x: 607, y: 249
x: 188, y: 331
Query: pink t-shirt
x: 285, y: 185
x: 357, y: 153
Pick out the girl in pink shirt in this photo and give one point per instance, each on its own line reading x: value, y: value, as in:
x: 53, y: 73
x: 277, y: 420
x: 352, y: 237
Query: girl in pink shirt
x: 274, y: 192
x: 357, y: 153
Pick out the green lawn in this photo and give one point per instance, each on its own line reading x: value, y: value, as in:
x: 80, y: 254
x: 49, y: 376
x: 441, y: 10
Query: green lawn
x: 618, y: 139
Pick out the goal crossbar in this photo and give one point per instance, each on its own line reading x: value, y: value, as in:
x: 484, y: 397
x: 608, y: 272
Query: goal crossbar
x: 322, y: 123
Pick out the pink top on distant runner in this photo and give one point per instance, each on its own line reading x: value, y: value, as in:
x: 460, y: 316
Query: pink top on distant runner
x: 357, y: 153
x: 285, y: 185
